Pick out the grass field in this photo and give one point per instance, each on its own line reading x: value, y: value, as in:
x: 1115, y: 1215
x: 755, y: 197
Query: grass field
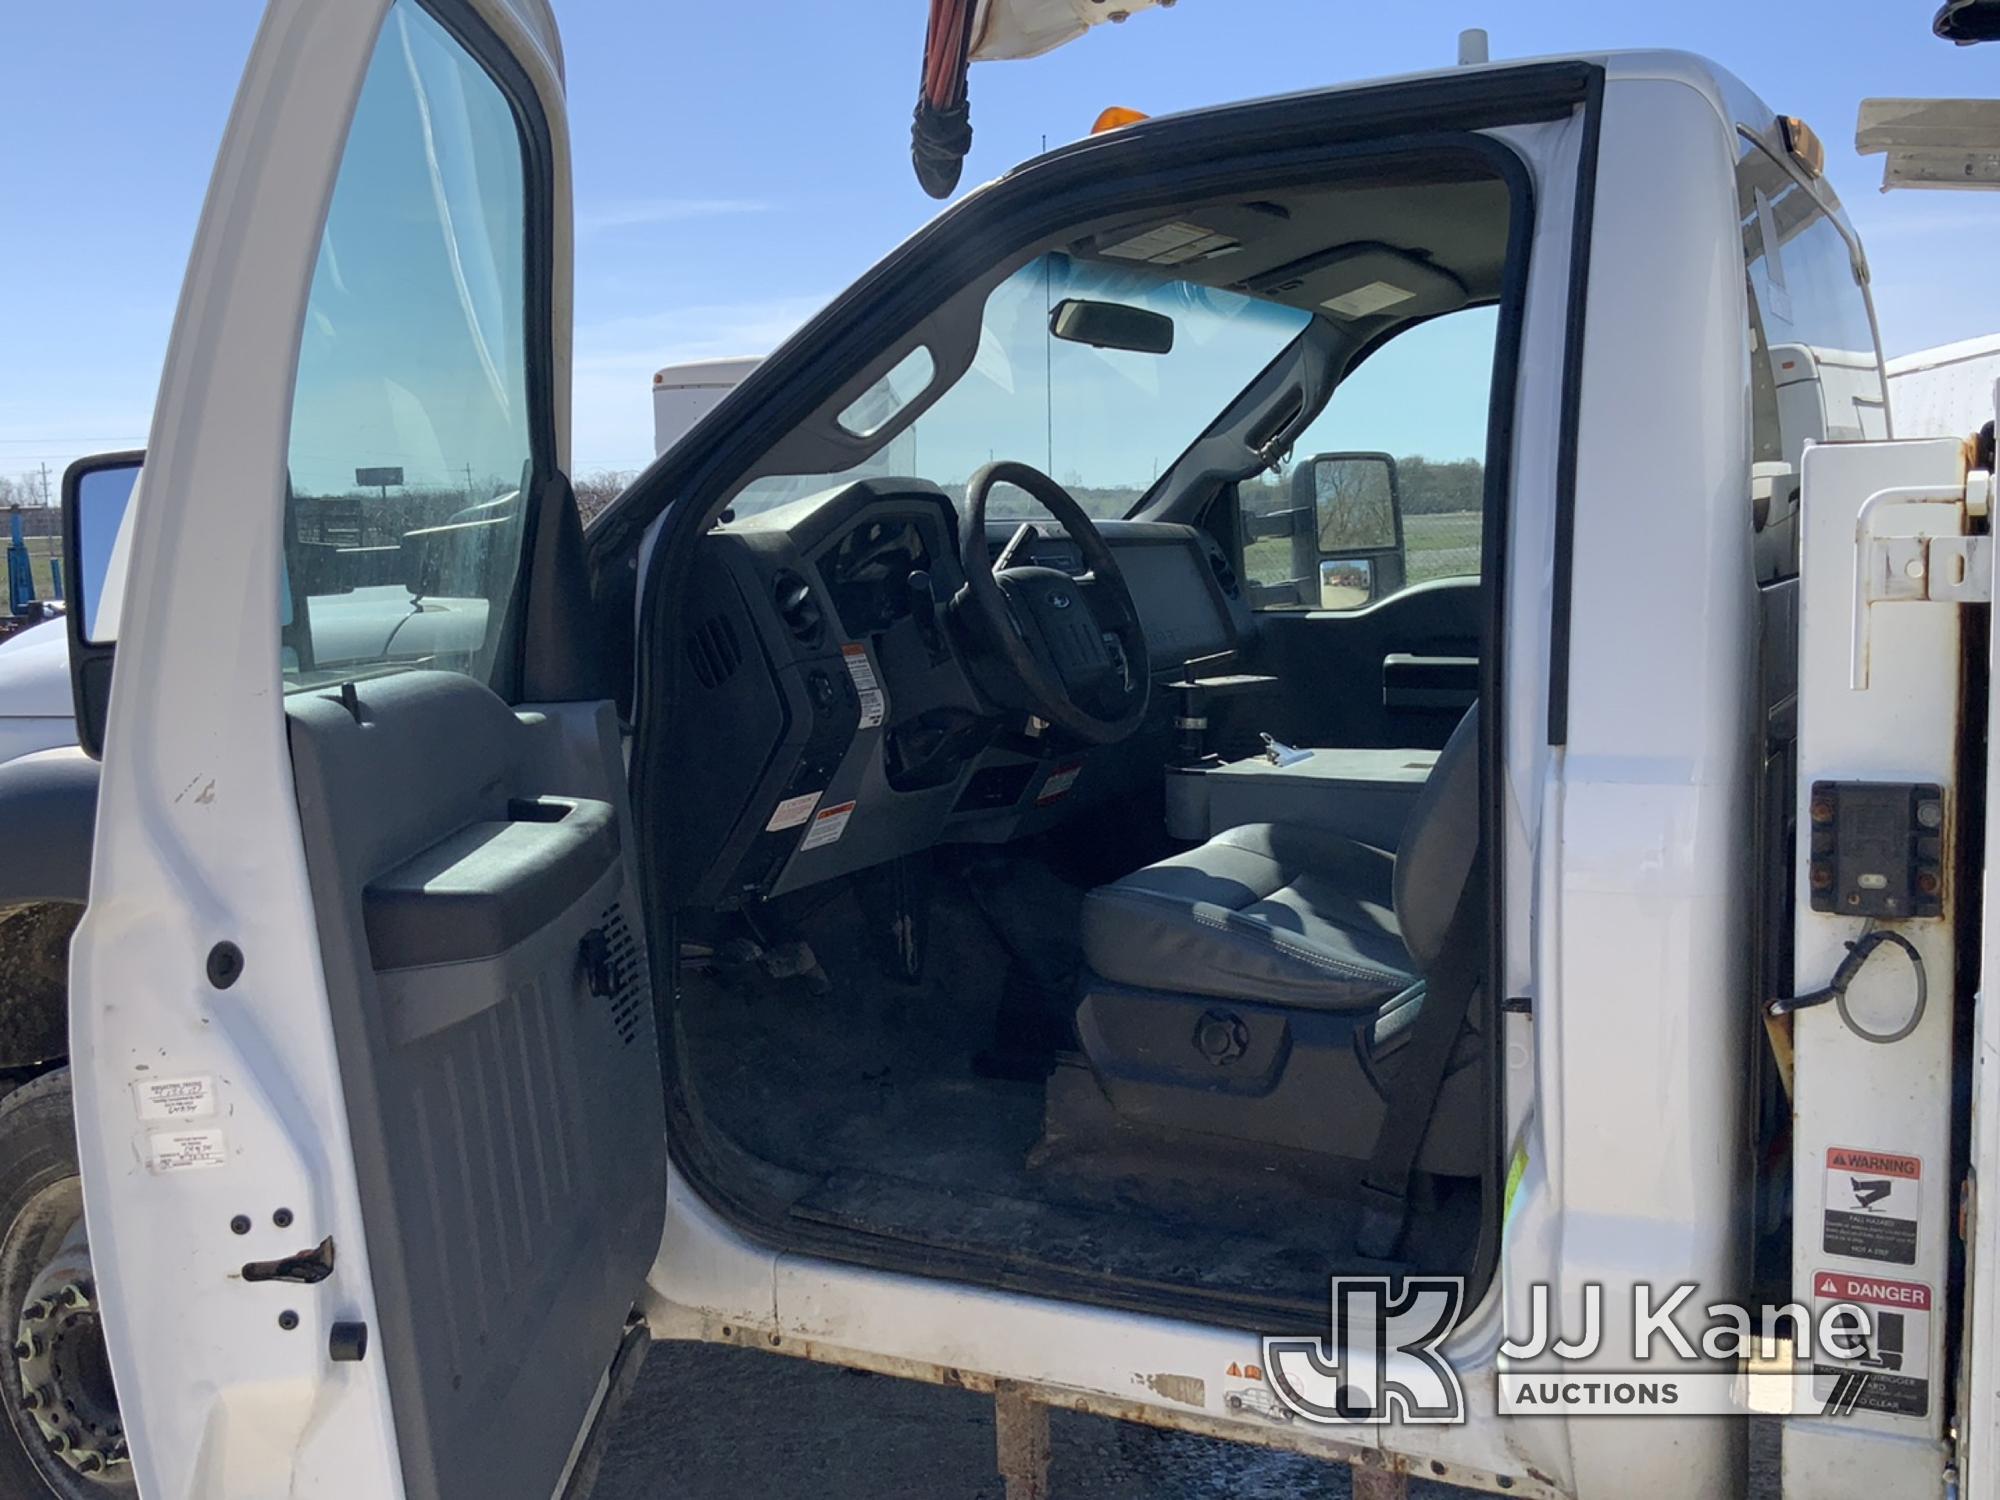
x: 1445, y: 546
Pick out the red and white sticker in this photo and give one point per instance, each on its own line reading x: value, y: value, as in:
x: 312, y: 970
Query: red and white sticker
x: 1872, y: 1205
x: 1892, y: 1376
x: 873, y: 704
x: 1061, y: 779
x: 828, y: 824
x: 793, y: 811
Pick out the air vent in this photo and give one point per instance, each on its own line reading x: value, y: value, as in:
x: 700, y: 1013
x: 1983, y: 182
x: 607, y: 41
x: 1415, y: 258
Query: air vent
x: 799, y: 608
x: 1224, y: 574
x: 713, y: 651
x: 629, y: 982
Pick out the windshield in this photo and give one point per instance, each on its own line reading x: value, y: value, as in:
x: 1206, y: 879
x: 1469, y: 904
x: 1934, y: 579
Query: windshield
x: 1103, y: 422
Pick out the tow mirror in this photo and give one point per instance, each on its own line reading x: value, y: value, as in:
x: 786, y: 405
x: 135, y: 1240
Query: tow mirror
x: 1354, y: 544
x: 96, y: 501
x: 1112, y: 325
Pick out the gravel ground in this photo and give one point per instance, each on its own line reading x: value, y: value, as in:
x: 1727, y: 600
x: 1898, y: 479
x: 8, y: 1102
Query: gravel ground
x: 714, y: 1421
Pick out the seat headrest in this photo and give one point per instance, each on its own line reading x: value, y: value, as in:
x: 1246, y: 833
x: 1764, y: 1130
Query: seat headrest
x: 1439, y: 842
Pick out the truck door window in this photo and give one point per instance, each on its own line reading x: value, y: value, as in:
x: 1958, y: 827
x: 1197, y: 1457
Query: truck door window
x: 412, y: 439
x: 1420, y: 399
x: 1815, y: 366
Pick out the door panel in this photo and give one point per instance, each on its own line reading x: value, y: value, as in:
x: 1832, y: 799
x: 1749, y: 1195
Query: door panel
x: 1398, y: 675
x: 487, y: 982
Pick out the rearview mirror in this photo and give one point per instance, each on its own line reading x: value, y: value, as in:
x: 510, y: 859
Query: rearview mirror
x: 1112, y: 325
x: 96, y: 497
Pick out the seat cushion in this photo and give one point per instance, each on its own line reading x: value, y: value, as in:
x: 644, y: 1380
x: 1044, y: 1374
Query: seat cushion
x: 1266, y: 911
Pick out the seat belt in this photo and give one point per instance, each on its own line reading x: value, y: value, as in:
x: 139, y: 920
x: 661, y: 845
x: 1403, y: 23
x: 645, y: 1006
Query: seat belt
x: 1413, y: 1092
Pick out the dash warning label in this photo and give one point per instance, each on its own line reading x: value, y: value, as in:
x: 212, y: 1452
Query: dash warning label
x: 1872, y: 1205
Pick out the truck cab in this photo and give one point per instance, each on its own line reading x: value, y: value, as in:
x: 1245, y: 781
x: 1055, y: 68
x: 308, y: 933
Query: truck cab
x: 1225, y: 718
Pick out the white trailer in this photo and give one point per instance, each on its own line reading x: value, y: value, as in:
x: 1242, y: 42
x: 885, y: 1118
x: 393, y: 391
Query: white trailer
x: 1945, y: 391
x: 685, y: 393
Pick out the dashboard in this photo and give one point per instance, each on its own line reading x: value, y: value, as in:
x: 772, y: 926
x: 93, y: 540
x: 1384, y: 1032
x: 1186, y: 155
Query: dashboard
x: 816, y: 641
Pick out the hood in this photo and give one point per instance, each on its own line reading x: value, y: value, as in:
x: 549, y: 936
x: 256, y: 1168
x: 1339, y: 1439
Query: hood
x: 34, y: 673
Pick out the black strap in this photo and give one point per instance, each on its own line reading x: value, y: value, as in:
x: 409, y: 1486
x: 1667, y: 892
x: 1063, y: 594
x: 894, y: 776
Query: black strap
x: 1413, y: 1092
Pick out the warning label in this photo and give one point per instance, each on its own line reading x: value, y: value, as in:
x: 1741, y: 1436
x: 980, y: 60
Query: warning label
x: 862, y: 670
x: 1892, y: 1375
x: 793, y: 811
x: 828, y: 825
x: 1872, y: 1204
x: 1061, y: 779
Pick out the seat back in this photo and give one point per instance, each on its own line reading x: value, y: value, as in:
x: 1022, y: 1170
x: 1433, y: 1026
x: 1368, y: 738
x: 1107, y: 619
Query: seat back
x: 1435, y: 856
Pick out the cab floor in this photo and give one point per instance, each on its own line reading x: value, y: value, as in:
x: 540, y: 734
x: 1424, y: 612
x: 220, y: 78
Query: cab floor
x: 872, y: 1100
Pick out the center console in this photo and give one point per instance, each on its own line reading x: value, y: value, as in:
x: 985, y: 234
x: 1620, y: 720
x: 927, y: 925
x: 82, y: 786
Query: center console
x: 1365, y: 795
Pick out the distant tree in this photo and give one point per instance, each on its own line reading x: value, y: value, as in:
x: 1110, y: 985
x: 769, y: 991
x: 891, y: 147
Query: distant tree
x: 596, y: 491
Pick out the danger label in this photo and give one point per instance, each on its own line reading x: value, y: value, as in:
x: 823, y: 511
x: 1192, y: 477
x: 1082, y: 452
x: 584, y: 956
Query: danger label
x: 1872, y: 1205
x: 828, y: 824
x: 866, y: 686
x: 1891, y: 1376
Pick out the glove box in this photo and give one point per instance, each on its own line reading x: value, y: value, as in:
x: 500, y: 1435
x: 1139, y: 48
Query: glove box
x: 1364, y: 795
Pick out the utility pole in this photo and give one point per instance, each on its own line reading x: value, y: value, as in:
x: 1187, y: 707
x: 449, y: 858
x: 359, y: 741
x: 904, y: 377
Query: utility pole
x: 45, y: 484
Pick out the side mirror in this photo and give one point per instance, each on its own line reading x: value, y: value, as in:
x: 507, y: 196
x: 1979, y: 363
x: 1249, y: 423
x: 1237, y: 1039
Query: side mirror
x: 1112, y: 325
x: 96, y: 501
x: 1354, y: 545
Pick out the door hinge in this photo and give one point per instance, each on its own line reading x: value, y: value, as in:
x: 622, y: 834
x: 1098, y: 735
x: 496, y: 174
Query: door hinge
x: 1936, y: 569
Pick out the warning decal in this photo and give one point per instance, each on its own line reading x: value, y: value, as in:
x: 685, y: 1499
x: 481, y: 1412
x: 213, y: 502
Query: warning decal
x: 862, y: 670
x: 827, y: 826
x: 1872, y: 1203
x: 1892, y: 1376
x: 793, y: 811
x: 1060, y: 780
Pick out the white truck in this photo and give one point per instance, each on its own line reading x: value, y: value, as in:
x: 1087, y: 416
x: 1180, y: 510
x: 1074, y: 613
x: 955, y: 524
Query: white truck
x: 770, y: 929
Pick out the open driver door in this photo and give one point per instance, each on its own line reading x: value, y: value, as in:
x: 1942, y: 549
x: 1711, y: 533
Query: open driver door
x: 366, y: 1077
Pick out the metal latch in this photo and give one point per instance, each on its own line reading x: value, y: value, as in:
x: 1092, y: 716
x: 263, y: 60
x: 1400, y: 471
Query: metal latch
x: 1942, y: 569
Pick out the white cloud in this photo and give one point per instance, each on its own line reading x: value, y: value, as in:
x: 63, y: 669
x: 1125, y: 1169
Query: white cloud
x: 632, y: 213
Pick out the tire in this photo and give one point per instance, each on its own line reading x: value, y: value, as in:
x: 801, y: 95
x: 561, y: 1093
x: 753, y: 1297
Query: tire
x: 41, y: 1202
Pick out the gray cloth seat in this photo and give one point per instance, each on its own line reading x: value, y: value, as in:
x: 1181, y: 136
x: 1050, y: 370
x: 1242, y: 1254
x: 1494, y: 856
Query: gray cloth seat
x: 1295, y: 916
x: 1282, y: 914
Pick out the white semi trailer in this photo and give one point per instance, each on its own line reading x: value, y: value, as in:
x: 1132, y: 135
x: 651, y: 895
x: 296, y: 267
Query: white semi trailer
x: 1582, y: 961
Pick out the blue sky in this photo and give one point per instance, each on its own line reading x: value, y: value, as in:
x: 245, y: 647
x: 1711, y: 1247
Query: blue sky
x: 737, y: 164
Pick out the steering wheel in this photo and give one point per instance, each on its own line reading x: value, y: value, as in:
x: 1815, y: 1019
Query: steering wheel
x: 1074, y: 647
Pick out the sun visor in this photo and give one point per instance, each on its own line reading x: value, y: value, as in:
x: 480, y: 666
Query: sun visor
x: 1356, y: 282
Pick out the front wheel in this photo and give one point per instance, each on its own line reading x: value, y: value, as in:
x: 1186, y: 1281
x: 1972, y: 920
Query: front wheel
x: 62, y: 1435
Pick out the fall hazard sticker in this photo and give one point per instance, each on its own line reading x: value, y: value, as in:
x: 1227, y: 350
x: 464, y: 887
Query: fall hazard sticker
x: 1892, y: 1374
x: 1872, y: 1205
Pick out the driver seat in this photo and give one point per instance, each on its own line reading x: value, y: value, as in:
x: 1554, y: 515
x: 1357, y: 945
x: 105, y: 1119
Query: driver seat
x: 1260, y: 986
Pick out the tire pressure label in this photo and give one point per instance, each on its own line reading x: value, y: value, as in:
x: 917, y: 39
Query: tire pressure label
x: 1872, y: 1204
x: 1892, y: 1374
x: 866, y: 687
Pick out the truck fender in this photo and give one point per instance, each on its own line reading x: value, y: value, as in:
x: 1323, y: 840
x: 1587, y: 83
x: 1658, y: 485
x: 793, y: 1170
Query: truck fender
x: 48, y: 818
